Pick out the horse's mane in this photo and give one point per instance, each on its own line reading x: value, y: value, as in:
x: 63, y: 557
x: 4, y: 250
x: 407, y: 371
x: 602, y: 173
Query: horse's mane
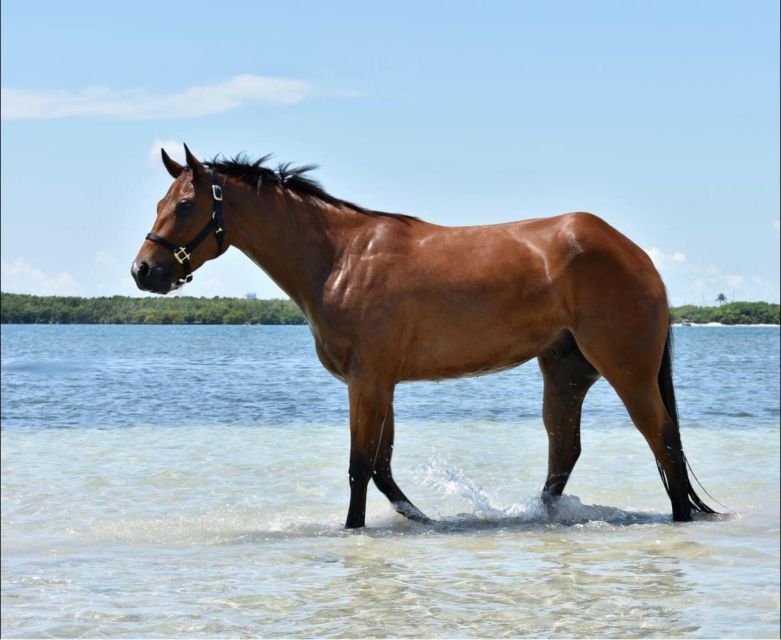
x: 295, y: 179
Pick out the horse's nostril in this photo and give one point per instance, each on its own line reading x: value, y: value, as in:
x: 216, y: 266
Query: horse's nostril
x: 143, y: 269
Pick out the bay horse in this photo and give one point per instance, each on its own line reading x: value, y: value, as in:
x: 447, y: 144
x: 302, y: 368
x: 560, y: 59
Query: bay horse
x: 391, y: 298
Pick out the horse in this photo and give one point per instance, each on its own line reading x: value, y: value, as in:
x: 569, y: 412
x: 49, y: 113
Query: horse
x: 390, y: 298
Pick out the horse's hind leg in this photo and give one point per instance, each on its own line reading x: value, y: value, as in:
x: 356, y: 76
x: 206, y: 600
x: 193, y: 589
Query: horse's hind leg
x: 648, y: 412
x: 567, y: 376
x: 639, y: 370
x: 383, y: 478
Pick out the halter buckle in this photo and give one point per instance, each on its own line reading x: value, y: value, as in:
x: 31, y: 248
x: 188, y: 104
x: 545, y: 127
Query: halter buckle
x: 181, y: 255
x: 188, y: 278
x: 217, y: 192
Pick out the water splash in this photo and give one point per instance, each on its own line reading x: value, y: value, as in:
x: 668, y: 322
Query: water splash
x: 451, y: 480
x: 216, y: 526
x: 485, y: 511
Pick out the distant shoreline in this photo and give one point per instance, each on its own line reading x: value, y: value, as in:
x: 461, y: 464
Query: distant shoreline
x: 18, y: 308
x: 709, y: 325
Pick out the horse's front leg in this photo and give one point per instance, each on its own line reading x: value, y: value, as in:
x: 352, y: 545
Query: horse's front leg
x: 370, y: 404
x: 383, y: 477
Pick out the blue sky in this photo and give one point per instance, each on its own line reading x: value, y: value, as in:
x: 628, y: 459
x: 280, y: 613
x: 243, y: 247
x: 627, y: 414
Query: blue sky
x: 661, y: 117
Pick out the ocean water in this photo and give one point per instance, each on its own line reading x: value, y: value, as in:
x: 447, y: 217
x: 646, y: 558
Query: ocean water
x: 185, y: 481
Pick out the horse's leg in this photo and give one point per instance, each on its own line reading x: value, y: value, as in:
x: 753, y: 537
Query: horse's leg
x: 370, y: 405
x: 383, y: 477
x: 567, y: 376
x: 635, y: 360
x: 648, y: 412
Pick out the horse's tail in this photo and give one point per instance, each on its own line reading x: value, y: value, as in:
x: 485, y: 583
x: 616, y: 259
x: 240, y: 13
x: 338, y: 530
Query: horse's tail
x: 665, y: 379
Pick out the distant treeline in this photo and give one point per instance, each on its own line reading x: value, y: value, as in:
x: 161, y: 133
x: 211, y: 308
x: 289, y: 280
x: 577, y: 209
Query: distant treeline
x: 729, y: 313
x: 25, y: 309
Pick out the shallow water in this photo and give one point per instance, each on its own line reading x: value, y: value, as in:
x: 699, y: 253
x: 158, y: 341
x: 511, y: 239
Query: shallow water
x: 191, y: 481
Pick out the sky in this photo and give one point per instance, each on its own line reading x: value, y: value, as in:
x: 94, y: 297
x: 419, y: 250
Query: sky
x: 660, y: 117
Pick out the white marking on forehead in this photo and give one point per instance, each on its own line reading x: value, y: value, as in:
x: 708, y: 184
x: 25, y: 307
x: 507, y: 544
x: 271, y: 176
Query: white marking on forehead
x: 184, y: 185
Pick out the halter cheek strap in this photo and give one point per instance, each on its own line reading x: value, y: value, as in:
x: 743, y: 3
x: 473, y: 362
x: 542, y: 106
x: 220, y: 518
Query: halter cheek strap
x: 216, y: 223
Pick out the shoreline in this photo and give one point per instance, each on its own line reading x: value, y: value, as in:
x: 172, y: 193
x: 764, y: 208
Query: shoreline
x: 720, y: 324
x: 297, y: 324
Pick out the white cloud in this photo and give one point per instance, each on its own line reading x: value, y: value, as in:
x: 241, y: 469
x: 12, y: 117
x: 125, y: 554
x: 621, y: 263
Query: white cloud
x: 692, y: 282
x: 173, y: 148
x: 20, y: 276
x: 735, y: 281
x: 665, y: 261
x: 103, y: 261
x: 200, y: 100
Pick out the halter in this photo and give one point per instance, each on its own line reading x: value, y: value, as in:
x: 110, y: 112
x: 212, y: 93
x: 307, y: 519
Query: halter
x: 182, y: 252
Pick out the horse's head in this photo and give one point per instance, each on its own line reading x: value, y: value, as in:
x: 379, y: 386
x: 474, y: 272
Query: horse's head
x: 188, y: 231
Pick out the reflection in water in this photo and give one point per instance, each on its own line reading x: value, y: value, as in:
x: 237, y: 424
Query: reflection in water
x: 498, y: 587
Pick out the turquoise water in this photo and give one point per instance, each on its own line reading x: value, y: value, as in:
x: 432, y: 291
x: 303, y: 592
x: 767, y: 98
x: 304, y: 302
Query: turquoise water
x: 191, y: 481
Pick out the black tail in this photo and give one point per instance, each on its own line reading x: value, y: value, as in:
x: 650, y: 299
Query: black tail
x: 668, y: 396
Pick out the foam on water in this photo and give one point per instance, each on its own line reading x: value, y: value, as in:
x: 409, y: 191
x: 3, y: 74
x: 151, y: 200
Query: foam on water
x: 217, y: 526
x: 229, y: 525
x: 450, y: 480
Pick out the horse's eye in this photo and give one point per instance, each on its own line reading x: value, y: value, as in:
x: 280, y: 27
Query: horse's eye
x: 184, y: 206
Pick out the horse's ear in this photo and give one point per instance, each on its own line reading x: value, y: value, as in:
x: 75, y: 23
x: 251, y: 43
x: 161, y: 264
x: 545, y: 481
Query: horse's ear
x: 199, y: 171
x: 172, y: 166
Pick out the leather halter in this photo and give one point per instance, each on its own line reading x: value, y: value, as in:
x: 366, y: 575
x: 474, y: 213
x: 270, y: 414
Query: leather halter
x: 182, y: 252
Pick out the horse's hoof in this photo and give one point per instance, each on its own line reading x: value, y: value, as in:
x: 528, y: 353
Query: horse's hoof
x: 409, y: 510
x: 550, y: 502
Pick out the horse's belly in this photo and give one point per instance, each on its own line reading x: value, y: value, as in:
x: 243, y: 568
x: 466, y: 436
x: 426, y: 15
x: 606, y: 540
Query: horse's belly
x: 455, y: 351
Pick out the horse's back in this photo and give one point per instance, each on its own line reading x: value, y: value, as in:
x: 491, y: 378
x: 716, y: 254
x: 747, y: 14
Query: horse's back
x: 543, y: 266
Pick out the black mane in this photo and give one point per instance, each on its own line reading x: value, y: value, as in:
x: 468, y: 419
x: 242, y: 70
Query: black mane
x: 287, y: 176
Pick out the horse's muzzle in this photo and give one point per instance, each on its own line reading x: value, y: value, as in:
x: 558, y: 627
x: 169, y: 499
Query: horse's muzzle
x: 152, y: 277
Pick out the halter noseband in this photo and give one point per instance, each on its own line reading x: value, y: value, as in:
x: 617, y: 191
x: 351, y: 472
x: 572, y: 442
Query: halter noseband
x: 182, y: 252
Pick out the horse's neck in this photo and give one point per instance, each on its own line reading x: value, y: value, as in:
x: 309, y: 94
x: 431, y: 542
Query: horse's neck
x: 293, y: 240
